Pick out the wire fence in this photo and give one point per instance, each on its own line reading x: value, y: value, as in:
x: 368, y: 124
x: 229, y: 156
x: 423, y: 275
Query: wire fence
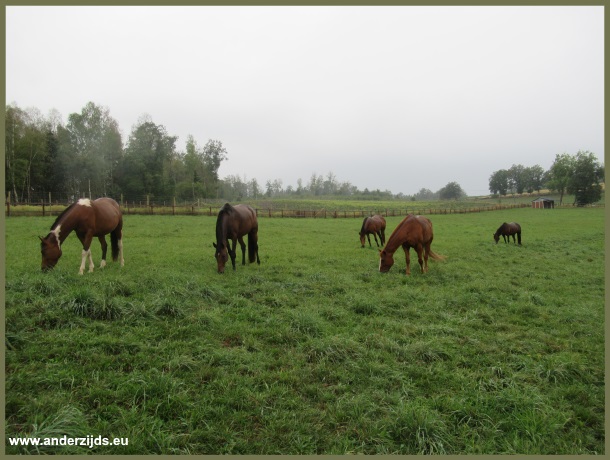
x: 47, y: 209
x: 46, y: 206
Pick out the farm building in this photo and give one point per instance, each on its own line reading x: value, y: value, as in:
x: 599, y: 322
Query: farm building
x: 543, y: 203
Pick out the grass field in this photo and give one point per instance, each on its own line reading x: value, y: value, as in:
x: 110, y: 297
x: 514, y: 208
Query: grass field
x: 497, y: 350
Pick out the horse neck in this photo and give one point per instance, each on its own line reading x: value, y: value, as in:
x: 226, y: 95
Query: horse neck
x: 221, y: 231
x: 66, y: 223
x: 395, y: 240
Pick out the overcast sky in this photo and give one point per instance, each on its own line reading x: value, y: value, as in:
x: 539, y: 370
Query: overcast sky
x: 397, y: 98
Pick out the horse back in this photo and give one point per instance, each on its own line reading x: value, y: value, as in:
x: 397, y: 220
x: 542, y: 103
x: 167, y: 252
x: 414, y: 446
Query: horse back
x: 413, y: 230
x: 374, y: 224
x: 245, y: 220
x: 106, y: 216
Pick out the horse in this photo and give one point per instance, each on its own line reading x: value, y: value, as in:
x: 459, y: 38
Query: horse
x: 412, y: 232
x: 374, y: 225
x: 233, y: 223
x: 87, y: 219
x: 508, y: 230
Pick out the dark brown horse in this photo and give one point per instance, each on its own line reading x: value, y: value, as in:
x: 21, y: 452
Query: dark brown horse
x: 233, y: 223
x: 412, y: 232
x: 508, y: 230
x: 374, y: 225
x: 87, y: 219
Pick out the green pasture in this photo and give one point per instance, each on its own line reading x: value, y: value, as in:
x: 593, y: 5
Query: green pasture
x: 497, y: 350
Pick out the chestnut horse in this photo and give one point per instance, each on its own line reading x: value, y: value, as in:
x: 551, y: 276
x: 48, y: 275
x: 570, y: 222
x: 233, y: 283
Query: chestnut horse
x: 87, y: 219
x: 233, y: 223
x: 508, y: 230
x: 374, y: 225
x: 412, y: 232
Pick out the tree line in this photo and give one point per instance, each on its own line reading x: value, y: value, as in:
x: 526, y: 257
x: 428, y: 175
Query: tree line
x: 580, y: 175
x: 87, y: 156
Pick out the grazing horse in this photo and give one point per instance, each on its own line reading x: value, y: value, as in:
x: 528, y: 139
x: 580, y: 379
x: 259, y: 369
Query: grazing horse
x: 233, y: 223
x: 508, y: 230
x: 412, y: 232
x: 87, y: 219
x: 374, y: 225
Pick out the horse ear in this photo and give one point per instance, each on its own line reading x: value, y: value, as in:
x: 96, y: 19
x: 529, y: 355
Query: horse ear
x: 214, y: 244
x: 41, y: 238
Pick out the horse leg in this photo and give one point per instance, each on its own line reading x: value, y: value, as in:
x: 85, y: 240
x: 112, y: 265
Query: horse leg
x: 86, y: 240
x: 232, y: 253
x: 104, y: 249
x: 368, y: 235
x: 408, y: 257
x: 419, y: 249
x: 426, y: 253
x: 375, y: 236
x: 120, y: 243
x: 243, y: 250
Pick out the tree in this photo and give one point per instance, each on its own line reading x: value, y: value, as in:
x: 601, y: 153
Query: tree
x: 96, y: 146
x: 498, y: 182
x: 517, y: 179
x: 560, y: 173
x: 533, y: 178
x: 451, y: 191
x: 213, y: 154
x: 424, y: 194
x: 585, y: 182
x: 26, y: 151
x: 147, y: 155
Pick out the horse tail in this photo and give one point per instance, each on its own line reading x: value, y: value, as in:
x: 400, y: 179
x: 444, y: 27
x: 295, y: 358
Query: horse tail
x: 252, y: 245
x: 519, y: 236
x: 114, y: 242
x: 436, y: 256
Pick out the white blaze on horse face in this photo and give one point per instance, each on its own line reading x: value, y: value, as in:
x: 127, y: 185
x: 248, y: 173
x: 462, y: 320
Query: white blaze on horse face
x: 56, y: 232
x: 85, y: 202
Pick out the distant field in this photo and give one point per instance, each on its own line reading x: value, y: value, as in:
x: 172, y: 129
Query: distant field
x: 497, y: 350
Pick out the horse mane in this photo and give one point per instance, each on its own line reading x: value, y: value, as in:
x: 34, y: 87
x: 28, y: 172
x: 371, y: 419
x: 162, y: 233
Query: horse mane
x: 226, y: 210
x: 363, y: 223
x: 500, y: 228
x: 63, y: 213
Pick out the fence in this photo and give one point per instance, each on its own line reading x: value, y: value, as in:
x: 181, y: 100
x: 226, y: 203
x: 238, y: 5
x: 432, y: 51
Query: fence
x: 193, y: 209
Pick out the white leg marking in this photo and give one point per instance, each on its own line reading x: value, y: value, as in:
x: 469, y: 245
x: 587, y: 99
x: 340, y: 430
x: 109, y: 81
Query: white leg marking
x: 90, y: 261
x: 82, y: 264
x: 103, y: 264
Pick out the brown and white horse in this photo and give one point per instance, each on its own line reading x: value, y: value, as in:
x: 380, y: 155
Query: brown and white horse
x: 87, y: 219
x: 233, y: 223
x: 374, y: 225
x: 412, y: 232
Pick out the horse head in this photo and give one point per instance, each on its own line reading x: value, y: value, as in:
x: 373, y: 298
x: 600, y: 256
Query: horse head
x: 50, y: 250
x: 386, y: 260
x: 497, y: 237
x: 362, y: 236
x: 222, y: 256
